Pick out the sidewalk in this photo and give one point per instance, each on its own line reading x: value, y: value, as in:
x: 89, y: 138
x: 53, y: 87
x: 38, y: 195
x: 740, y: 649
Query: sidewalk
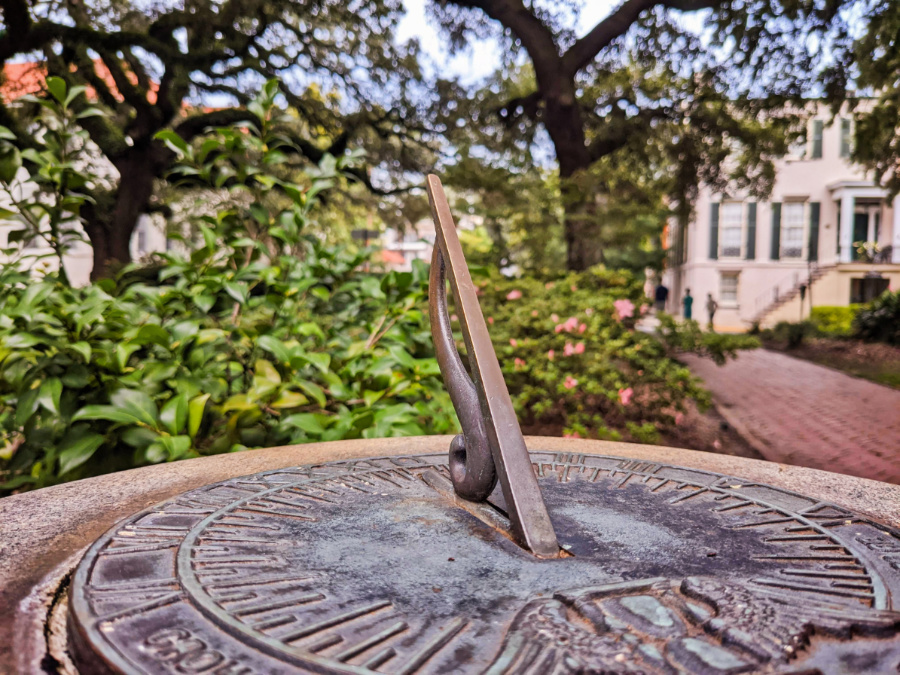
x: 796, y: 412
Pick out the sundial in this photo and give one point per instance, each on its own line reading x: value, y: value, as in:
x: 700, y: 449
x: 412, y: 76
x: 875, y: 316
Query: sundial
x: 489, y: 559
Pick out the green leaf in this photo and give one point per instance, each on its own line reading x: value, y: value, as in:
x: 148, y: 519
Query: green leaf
x: 77, y: 451
x: 123, y: 353
x: 174, y: 413
x: 176, y: 446
x: 174, y: 142
x: 26, y: 406
x: 266, y: 372
x: 105, y: 412
x: 370, y: 397
x: 49, y: 395
x: 275, y: 347
x: 90, y: 112
x: 307, y: 422
x: 128, y: 407
x: 6, y: 134
x: 10, y: 163
x: 239, y: 402
x: 289, y: 399
x: 57, y: 88
x: 314, y: 391
x: 83, y: 349
x: 319, y: 360
x: 237, y: 291
x: 195, y: 413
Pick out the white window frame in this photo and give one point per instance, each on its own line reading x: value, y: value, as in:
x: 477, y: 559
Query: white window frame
x: 784, y: 252
x: 724, y: 301
x: 742, y: 229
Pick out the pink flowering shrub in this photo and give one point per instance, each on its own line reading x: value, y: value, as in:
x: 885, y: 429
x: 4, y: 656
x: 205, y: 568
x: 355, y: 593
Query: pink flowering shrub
x: 574, y: 361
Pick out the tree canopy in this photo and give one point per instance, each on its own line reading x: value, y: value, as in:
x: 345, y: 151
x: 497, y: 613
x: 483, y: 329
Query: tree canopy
x: 644, y: 87
x: 194, y: 65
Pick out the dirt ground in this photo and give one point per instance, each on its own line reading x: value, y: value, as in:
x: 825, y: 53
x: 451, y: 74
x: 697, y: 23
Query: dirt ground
x: 870, y: 360
x: 711, y: 433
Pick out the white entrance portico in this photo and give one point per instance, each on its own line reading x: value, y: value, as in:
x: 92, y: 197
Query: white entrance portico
x: 861, y: 209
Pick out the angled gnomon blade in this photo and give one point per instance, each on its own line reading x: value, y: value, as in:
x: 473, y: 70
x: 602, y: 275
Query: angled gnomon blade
x: 491, y: 445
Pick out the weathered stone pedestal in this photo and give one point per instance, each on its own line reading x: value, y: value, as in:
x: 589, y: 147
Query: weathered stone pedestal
x: 44, y: 535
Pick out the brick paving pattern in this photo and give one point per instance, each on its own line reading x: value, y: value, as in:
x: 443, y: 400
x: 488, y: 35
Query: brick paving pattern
x: 796, y: 412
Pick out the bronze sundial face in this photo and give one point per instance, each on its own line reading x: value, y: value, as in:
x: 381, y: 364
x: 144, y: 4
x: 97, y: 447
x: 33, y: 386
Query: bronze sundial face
x: 374, y: 566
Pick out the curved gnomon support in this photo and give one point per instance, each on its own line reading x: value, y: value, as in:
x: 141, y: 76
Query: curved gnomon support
x: 471, y: 464
x: 491, y: 446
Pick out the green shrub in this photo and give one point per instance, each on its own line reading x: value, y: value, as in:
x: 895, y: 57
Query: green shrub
x: 879, y: 321
x: 793, y: 333
x: 834, y: 321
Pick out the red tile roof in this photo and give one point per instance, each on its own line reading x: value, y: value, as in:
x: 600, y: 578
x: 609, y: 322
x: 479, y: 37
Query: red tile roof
x: 20, y: 79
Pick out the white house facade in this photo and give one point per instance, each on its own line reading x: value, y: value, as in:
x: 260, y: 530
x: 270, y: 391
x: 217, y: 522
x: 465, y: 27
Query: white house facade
x: 769, y: 261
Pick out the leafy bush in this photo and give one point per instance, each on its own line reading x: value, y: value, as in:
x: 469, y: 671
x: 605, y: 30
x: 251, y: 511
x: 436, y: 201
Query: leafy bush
x: 834, y: 321
x: 257, y: 335
x: 573, y: 358
x: 793, y: 333
x: 879, y: 321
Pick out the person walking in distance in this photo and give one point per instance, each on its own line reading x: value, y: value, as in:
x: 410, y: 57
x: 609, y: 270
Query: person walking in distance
x: 688, y: 303
x: 711, y: 307
x: 660, y: 297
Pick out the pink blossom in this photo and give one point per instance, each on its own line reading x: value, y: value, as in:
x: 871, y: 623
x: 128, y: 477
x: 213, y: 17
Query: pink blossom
x: 514, y: 295
x: 579, y: 348
x: 582, y: 328
x: 589, y: 311
x: 573, y: 434
x: 534, y: 312
x: 558, y: 328
x: 453, y: 317
x: 549, y: 285
x: 640, y: 372
x: 624, y: 308
x: 679, y: 418
x: 520, y: 363
x: 491, y: 320
x: 570, y: 382
x: 570, y: 324
x: 573, y: 287
x: 554, y: 317
x: 625, y: 395
x: 551, y: 354
x: 569, y: 350
x: 512, y: 342
x: 644, y: 309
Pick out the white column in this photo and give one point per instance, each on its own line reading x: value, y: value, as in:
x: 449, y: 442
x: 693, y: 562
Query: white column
x: 848, y: 206
x: 895, y: 238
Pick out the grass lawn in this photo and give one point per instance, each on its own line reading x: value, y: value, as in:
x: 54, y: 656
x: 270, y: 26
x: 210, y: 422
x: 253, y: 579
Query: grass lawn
x: 873, y: 361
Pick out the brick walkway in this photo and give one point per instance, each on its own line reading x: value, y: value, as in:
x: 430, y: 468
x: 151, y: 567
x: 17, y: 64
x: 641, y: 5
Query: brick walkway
x: 796, y: 412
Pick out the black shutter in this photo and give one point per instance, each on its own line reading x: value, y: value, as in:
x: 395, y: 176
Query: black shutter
x: 818, y: 127
x: 751, y: 230
x: 845, y: 137
x: 776, y: 230
x: 713, y: 231
x: 814, y: 209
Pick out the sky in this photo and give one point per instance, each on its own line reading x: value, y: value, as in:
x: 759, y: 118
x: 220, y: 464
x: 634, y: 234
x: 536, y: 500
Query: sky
x: 479, y: 59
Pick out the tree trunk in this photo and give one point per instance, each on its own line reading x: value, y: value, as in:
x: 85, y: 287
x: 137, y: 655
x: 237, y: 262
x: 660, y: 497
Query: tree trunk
x: 110, y: 229
x: 562, y: 118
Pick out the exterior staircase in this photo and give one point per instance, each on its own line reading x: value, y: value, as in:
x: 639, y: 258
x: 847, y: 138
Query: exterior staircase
x: 787, y: 289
